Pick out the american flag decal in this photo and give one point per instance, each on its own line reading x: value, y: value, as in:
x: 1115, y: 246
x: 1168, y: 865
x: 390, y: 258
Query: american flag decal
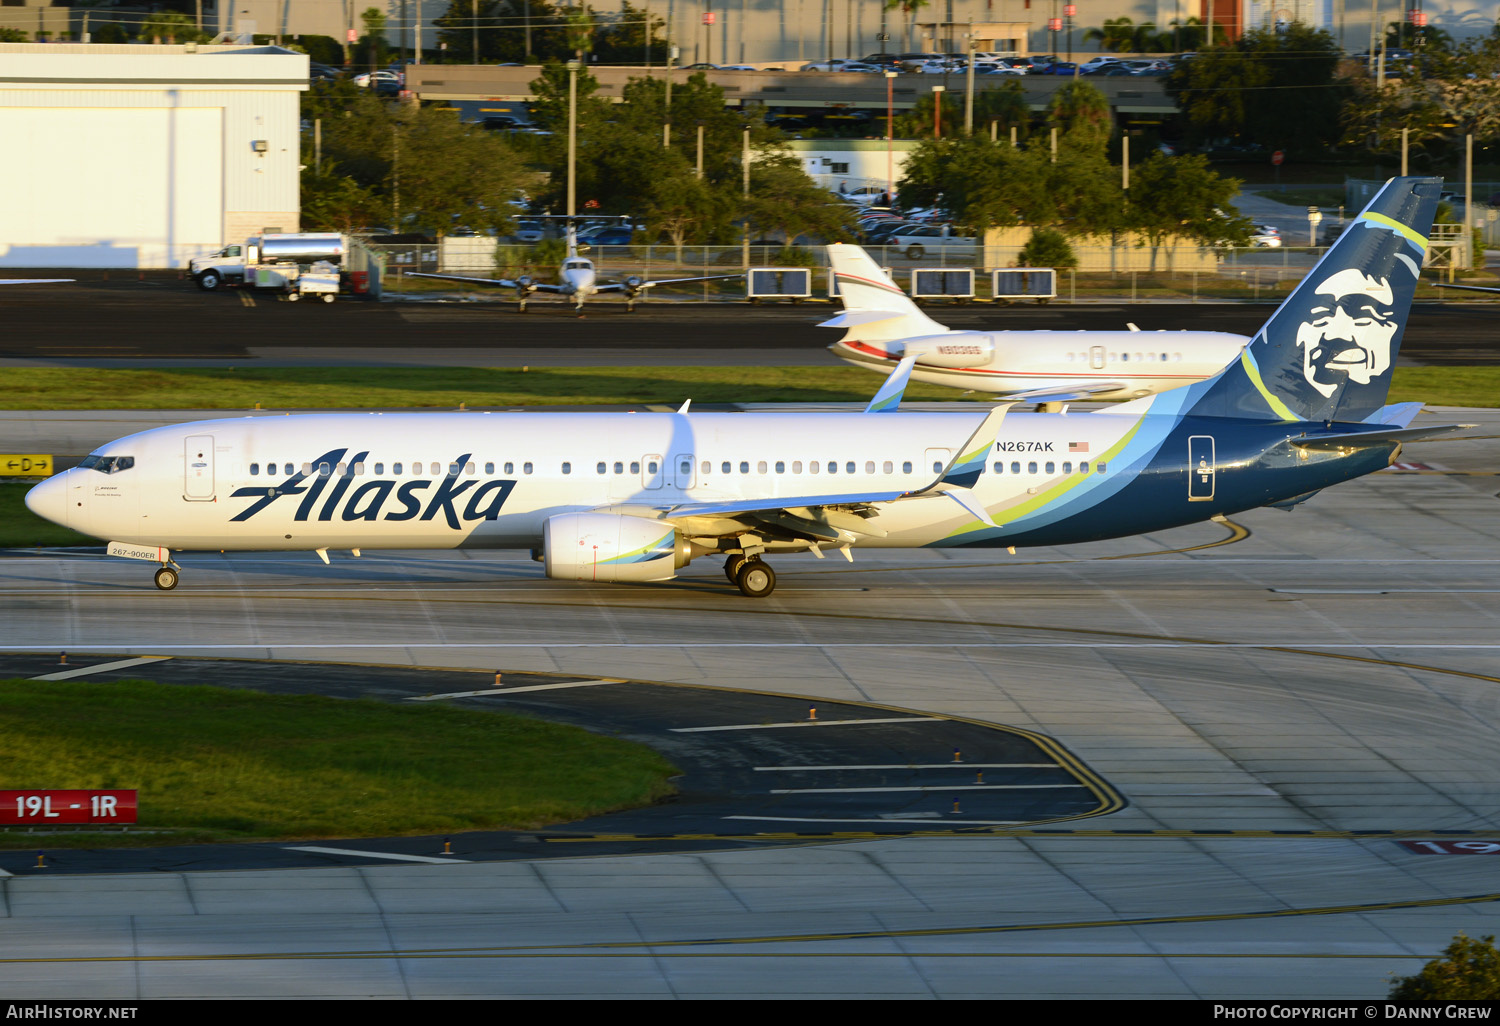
x: 1078, y: 447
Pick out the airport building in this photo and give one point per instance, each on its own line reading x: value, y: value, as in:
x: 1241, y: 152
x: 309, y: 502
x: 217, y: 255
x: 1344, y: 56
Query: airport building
x: 786, y: 31
x: 145, y: 156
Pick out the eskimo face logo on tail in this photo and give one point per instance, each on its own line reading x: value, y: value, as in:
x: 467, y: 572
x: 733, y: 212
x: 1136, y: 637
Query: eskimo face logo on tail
x: 341, y: 497
x: 1348, y: 333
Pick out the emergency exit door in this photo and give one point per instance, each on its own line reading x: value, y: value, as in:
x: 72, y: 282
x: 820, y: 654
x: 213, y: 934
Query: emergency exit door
x: 198, y: 468
x: 1200, y: 468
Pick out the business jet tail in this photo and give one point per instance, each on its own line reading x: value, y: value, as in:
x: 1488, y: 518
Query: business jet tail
x: 875, y: 310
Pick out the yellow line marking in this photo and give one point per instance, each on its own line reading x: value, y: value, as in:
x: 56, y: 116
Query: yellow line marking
x: 246, y: 299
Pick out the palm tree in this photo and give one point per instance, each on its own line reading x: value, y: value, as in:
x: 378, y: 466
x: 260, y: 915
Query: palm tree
x: 1118, y: 34
x: 908, y: 7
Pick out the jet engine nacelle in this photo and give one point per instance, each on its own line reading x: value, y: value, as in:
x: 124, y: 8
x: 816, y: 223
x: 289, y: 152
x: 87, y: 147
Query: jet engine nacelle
x: 612, y: 547
x: 955, y: 349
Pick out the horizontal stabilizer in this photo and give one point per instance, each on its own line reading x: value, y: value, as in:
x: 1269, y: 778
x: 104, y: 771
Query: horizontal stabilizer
x: 970, y: 502
x: 1355, y: 439
x: 849, y: 318
x: 1069, y: 394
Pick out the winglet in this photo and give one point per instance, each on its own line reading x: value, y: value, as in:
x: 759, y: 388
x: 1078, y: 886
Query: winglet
x: 888, y: 399
x: 685, y: 404
x: 969, y: 463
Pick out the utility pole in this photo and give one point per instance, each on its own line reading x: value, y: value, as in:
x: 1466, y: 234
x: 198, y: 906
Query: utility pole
x: 969, y: 86
x: 572, y: 140
x: 745, y: 173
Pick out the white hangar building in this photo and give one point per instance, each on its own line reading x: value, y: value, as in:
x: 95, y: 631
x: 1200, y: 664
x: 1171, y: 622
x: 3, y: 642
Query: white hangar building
x: 144, y: 156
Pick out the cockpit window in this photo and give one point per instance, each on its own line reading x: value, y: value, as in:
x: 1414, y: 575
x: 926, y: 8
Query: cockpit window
x: 107, y: 464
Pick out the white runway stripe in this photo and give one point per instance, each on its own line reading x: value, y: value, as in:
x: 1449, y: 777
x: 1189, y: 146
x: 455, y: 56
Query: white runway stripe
x: 501, y: 692
x: 84, y: 671
x: 376, y: 854
x: 806, y: 723
x: 945, y: 789
x: 914, y: 765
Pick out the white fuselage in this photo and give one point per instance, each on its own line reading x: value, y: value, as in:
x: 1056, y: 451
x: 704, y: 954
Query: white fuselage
x: 1141, y: 362
x: 444, y: 480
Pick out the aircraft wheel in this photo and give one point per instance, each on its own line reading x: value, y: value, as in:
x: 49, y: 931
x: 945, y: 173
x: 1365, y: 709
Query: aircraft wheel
x: 732, y: 568
x: 756, y: 579
x: 166, y: 578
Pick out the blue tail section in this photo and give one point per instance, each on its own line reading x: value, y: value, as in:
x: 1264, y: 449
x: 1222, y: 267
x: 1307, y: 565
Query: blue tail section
x: 1326, y: 353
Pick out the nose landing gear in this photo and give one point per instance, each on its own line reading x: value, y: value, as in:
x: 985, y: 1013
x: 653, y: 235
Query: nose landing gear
x: 166, y: 578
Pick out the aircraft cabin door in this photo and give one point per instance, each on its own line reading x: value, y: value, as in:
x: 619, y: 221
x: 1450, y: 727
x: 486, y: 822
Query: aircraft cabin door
x: 1096, y: 357
x: 652, y: 471
x: 1200, y: 468
x: 682, y: 470
x: 937, y: 460
x: 198, y: 465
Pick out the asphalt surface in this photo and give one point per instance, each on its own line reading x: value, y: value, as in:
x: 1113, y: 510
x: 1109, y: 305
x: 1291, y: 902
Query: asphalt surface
x: 120, y: 317
x: 755, y: 766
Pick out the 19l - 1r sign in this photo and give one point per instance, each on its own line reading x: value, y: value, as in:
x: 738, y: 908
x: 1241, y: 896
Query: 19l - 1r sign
x: 64, y: 808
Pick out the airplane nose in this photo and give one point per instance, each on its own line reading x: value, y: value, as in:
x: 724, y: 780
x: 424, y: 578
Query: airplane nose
x: 50, y: 499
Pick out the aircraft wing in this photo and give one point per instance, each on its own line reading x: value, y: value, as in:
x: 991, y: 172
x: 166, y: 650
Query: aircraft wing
x: 1379, y: 436
x: 622, y: 286
x: 1468, y: 288
x: 1065, y: 394
x: 832, y: 517
x: 502, y: 282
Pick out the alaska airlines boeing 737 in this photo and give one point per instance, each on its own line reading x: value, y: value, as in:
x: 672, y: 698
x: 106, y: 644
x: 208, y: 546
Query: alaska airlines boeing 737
x: 1036, y: 366
x: 635, y: 497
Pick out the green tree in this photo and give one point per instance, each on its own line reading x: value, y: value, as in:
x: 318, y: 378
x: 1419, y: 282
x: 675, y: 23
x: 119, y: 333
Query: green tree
x: 1121, y: 35
x: 1244, y: 90
x: 1048, y: 247
x: 784, y: 199
x: 631, y: 38
x: 1081, y: 115
x: 1468, y: 971
x: 1182, y: 198
x: 11, y: 35
x: 910, y: 9
x: 169, y: 27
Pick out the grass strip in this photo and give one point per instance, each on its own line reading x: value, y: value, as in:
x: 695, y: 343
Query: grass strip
x: 293, y: 388
x: 19, y: 527
x: 214, y: 764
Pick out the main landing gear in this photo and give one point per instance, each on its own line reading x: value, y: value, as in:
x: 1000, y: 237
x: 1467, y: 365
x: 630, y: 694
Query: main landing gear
x: 753, y: 577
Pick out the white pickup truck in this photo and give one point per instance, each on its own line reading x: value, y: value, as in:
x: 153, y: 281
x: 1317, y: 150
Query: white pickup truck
x: 272, y: 261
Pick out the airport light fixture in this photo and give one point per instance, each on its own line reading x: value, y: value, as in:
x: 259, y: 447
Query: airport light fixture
x: 572, y: 140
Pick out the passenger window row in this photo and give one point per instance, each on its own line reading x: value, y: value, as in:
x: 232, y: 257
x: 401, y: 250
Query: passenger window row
x: 1051, y: 467
x: 1127, y: 357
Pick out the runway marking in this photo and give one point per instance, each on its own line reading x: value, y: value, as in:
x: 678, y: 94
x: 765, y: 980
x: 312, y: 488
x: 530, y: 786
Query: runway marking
x: 945, y: 788
x: 376, y: 854
x: 961, y: 829
x: 84, y: 671
x: 795, y: 819
x: 246, y: 299
x: 914, y: 765
x: 657, y: 948
x: 500, y: 692
x: 809, y: 723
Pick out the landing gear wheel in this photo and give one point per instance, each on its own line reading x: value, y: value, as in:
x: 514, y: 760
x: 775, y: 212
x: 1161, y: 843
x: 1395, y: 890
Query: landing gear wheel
x: 166, y: 578
x: 732, y: 568
x: 756, y: 579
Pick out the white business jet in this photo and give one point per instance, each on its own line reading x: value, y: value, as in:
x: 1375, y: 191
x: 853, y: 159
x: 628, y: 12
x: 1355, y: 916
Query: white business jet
x: 576, y: 279
x: 884, y: 326
x: 636, y: 496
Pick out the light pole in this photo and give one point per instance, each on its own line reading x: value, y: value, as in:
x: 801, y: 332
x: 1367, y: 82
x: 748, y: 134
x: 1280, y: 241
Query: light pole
x: 572, y: 140
x: 937, y: 111
x: 700, y: 149
x: 969, y: 86
x: 1068, y: 11
x: 745, y: 189
x: 890, y: 136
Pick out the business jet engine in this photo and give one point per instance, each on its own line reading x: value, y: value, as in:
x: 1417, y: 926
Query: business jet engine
x: 954, y: 349
x: 613, y: 547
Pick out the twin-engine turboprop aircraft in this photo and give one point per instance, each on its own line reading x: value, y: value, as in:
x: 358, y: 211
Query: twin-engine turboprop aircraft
x: 635, y: 497
x: 885, y: 326
x: 576, y: 278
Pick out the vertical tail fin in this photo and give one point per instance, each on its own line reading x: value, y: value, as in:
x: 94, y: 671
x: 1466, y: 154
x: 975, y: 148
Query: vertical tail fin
x: 1327, y: 352
x: 875, y: 310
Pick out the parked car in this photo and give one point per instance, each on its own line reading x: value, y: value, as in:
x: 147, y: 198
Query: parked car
x: 865, y: 195
x: 916, y: 242
x: 370, y: 78
x: 1058, y: 68
x: 614, y: 235
x: 1098, y: 62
